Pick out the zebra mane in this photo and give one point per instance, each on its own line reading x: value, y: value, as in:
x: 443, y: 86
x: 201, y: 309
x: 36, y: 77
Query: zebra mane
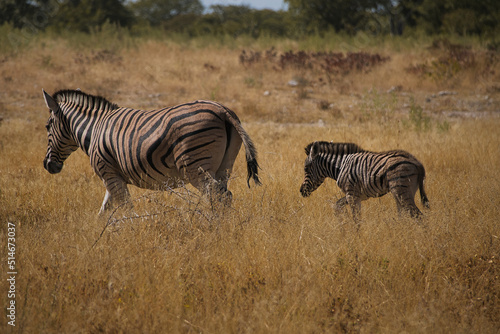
x: 334, y: 148
x: 79, y: 97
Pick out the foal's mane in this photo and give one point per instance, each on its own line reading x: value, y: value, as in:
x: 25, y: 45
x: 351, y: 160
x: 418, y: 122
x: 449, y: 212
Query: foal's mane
x: 79, y: 97
x: 335, y: 148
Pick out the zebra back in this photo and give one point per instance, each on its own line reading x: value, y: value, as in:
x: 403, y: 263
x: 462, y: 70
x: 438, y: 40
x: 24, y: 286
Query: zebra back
x: 331, y: 148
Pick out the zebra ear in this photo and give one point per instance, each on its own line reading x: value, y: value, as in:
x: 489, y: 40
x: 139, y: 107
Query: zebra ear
x: 314, y: 150
x: 50, y: 102
x: 308, y: 148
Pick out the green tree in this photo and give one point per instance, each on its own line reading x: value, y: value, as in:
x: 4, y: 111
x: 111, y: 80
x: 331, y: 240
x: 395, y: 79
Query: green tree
x: 84, y: 15
x: 158, y: 12
x: 455, y: 16
x: 225, y: 20
x: 270, y: 22
x: 341, y: 15
x: 231, y: 20
x: 243, y: 20
x: 16, y: 12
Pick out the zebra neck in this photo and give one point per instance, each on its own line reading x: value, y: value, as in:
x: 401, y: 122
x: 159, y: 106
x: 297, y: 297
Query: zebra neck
x: 81, y: 123
x: 334, y: 163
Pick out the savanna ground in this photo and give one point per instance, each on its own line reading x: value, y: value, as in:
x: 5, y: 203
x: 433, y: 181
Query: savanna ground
x: 273, y: 262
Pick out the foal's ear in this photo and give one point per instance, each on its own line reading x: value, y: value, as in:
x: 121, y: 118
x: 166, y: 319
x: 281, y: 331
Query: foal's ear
x: 313, y: 149
x: 308, y: 149
x: 50, y: 102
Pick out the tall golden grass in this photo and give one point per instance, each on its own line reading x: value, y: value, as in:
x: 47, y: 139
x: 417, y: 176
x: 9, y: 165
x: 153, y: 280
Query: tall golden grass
x: 273, y: 262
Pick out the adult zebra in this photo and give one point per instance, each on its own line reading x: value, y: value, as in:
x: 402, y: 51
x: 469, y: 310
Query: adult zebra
x: 362, y: 174
x: 195, y: 142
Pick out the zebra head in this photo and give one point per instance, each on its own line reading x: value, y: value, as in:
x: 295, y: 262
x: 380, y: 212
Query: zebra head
x: 61, y: 142
x: 313, y: 175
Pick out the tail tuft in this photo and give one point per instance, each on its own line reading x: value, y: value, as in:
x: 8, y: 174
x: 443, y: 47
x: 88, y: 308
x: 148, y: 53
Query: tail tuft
x: 423, y: 195
x: 252, y: 167
x: 425, y: 201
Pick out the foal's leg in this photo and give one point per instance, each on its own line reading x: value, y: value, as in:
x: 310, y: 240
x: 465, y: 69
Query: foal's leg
x: 403, y: 190
x: 340, y: 204
x: 355, y: 204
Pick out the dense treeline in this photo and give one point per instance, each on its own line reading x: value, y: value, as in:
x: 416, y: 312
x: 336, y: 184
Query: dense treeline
x: 462, y: 17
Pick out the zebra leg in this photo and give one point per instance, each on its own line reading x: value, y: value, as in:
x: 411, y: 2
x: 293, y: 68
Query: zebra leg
x: 410, y: 208
x: 339, y: 207
x: 223, y: 173
x: 355, y: 204
x: 215, y: 189
x: 223, y: 194
x: 116, y: 194
x: 403, y: 190
x: 340, y: 204
x: 229, y: 156
x: 222, y: 177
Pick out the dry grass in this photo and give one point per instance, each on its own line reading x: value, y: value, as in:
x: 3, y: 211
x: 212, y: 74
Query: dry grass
x: 274, y: 262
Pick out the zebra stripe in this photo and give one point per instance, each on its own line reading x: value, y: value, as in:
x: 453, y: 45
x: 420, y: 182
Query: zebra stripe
x: 363, y: 174
x: 196, y: 142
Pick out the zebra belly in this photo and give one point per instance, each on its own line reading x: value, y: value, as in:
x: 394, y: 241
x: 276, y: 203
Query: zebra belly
x: 363, y: 186
x: 374, y: 186
x: 169, y: 167
x: 171, y: 179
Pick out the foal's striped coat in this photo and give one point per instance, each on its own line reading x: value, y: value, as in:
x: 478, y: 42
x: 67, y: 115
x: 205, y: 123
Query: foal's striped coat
x: 362, y: 174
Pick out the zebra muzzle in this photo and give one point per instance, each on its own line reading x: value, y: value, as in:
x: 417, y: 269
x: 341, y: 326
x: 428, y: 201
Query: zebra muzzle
x: 52, y: 167
x: 304, y: 190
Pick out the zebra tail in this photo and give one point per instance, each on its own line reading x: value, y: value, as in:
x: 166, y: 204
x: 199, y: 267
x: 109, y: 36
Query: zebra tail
x: 250, y: 150
x: 423, y: 195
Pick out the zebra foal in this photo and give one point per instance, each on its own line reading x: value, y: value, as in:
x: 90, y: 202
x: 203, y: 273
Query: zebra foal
x: 362, y: 174
x: 195, y: 142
